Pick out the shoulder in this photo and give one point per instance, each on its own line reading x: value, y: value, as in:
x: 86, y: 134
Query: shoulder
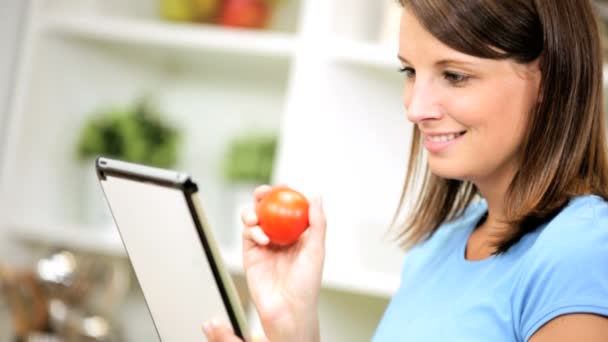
x: 564, y: 271
x: 576, y: 238
x: 580, y: 228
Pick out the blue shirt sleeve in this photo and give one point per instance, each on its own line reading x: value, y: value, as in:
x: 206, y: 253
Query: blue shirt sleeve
x: 568, y: 269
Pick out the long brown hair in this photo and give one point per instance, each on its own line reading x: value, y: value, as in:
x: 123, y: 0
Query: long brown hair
x: 564, y: 151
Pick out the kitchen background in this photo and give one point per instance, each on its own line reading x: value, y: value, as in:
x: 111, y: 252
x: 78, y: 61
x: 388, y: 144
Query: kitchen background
x: 235, y: 92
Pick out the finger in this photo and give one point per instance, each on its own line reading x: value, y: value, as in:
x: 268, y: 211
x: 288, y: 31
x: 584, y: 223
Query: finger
x: 261, y: 191
x: 217, y: 331
x: 249, y: 218
x: 254, y: 236
x: 317, y: 220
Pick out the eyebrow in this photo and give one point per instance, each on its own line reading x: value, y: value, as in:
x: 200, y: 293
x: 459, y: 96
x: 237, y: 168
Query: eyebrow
x: 442, y: 62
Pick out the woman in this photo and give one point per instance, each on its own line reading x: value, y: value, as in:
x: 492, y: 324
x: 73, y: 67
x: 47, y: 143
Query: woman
x: 505, y: 97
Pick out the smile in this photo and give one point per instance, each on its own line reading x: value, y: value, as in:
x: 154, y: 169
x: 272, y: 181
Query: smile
x: 439, y: 143
x: 447, y: 137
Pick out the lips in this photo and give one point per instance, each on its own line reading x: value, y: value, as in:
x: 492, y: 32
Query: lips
x: 444, y: 137
x: 439, y: 142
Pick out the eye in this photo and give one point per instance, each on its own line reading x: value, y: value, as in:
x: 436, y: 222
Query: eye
x: 409, y: 72
x: 455, y: 78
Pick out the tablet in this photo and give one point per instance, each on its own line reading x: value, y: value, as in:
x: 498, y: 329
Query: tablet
x: 171, y: 249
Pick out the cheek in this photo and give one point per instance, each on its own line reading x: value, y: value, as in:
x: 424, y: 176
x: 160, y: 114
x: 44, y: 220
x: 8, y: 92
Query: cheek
x: 495, y: 124
x: 507, y: 119
x: 501, y: 128
x: 498, y: 110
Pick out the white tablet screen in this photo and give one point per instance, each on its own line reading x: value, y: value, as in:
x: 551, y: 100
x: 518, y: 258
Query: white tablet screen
x: 167, y: 255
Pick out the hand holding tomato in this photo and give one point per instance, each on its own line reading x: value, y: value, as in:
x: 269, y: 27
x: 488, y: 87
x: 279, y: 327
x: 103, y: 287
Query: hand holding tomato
x: 284, y: 281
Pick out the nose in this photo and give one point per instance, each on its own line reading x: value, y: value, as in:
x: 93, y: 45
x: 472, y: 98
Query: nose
x: 421, y: 102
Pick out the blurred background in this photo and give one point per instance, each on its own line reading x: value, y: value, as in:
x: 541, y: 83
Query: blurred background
x: 234, y: 92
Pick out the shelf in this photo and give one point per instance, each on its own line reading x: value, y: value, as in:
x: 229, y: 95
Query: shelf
x: 102, y: 240
x: 363, y: 282
x: 93, y: 239
x: 364, y: 53
x: 169, y: 35
x: 355, y: 281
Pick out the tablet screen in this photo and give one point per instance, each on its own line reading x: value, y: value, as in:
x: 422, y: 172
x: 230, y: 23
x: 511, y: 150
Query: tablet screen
x: 167, y: 255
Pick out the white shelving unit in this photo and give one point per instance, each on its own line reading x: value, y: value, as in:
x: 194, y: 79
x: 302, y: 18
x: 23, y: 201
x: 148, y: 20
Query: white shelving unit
x: 317, y: 76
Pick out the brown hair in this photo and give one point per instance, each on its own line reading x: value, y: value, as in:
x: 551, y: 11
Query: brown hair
x: 564, y: 150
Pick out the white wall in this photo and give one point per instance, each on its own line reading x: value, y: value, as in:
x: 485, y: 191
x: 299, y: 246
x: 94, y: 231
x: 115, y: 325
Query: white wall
x: 11, y: 26
x: 12, y: 23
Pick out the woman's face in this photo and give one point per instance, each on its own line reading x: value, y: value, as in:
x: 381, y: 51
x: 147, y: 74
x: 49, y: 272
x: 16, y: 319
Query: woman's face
x: 472, y: 112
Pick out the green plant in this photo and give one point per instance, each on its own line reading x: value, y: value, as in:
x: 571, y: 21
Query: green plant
x: 136, y: 134
x: 250, y: 159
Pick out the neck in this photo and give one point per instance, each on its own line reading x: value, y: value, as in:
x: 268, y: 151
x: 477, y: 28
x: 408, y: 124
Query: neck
x: 494, y: 191
x: 483, y: 240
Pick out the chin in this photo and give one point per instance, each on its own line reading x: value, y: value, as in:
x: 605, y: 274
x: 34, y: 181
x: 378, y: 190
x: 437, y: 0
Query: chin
x: 447, y: 169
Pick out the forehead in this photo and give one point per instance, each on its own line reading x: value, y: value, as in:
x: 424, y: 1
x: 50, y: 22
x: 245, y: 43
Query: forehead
x: 417, y: 43
x: 418, y: 47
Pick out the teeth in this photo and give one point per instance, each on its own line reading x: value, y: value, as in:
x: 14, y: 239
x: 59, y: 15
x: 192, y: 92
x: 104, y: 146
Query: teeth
x: 442, y: 138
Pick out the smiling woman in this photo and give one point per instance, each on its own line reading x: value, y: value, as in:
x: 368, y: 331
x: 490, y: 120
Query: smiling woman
x: 508, y: 112
x: 508, y: 239
x: 515, y: 108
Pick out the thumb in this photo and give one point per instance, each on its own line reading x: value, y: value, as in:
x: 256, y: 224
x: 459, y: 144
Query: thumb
x: 316, y: 219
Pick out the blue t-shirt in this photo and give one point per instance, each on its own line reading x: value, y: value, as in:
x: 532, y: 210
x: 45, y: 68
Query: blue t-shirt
x: 560, y: 268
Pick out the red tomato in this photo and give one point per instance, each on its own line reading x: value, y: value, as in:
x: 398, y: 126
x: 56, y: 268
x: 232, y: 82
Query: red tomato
x: 283, y: 215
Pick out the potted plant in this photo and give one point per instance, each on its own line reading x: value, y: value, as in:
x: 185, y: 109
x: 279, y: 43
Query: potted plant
x: 249, y: 159
x: 248, y: 162
x: 136, y: 134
